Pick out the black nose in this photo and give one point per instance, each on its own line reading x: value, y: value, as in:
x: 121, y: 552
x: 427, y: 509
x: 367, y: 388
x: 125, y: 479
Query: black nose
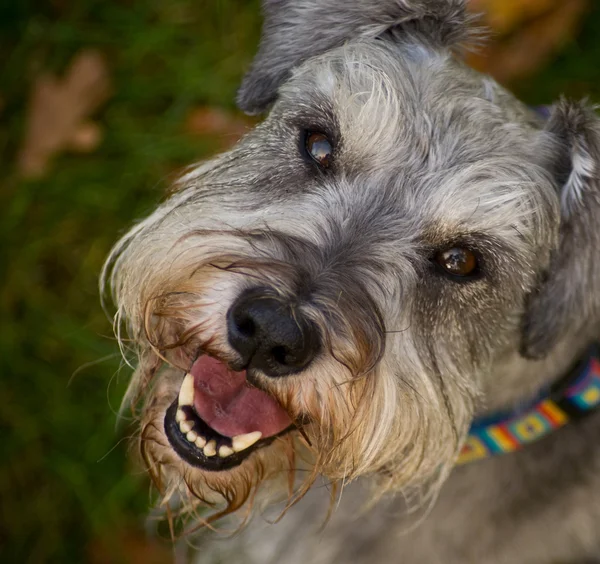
x: 269, y: 335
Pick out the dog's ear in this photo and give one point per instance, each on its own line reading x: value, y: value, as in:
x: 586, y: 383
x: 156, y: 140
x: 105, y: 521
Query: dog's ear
x: 295, y: 30
x: 568, y: 299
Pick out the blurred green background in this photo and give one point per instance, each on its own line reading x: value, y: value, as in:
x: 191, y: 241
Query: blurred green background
x: 67, y: 490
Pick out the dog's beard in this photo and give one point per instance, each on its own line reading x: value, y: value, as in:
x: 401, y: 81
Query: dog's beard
x: 353, y: 412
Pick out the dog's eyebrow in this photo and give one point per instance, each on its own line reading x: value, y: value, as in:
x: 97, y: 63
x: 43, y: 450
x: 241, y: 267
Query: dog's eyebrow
x: 321, y: 119
x: 315, y: 112
x: 321, y: 114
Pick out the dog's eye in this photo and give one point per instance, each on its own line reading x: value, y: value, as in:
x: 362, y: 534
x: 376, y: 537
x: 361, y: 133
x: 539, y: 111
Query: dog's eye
x: 458, y: 261
x: 319, y: 148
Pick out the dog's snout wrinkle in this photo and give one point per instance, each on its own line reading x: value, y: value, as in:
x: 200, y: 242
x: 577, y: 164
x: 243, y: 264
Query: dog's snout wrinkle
x: 270, y: 335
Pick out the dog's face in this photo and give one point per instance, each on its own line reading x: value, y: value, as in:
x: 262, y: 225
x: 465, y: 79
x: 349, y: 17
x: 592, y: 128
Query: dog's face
x: 339, y: 285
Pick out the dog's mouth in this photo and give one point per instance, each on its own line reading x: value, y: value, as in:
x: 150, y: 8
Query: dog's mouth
x: 219, y: 418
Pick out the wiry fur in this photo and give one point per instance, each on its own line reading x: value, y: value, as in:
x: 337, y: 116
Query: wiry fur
x: 296, y: 31
x: 428, y: 155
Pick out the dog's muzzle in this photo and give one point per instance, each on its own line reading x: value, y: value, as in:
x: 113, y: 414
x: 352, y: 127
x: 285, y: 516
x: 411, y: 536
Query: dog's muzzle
x: 220, y: 417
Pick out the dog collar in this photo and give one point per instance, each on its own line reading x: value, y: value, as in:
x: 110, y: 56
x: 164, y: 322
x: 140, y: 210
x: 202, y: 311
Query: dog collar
x: 570, y: 399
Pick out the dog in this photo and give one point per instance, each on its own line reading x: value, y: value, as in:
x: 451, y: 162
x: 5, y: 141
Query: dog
x: 366, y: 332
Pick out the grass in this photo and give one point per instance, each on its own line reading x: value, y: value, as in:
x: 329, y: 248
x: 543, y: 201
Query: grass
x: 62, y: 484
x: 66, y: 487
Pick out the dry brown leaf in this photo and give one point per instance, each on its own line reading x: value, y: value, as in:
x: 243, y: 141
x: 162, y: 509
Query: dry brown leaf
x: 58, y: 110
x: 225, y: 127
x: 522, y: 53
x: 503, y: 16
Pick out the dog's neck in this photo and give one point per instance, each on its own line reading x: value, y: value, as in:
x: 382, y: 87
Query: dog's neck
x: 515, y: 381
x: 572, y: 397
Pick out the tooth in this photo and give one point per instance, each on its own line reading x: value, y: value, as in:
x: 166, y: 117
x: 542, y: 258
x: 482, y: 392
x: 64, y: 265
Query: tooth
x: 242, y: 442
x: 186, y: 427
x: 210, y: 448
x: 200, y: 441
x: 180, y: 416
x: 186, y: 392
x: 191, y: 436
x: 225, y: 451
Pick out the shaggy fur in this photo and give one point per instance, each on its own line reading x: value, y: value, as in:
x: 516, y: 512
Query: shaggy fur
x: 428, y: 155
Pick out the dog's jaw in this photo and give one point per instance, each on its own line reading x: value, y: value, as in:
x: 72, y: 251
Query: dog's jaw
x: 219, y: 418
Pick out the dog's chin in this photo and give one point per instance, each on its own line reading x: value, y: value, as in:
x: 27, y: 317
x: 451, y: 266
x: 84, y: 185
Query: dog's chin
x: 219, y: 419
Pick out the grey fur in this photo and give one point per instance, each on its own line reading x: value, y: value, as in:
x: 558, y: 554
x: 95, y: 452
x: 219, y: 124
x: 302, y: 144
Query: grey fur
x: 295, y: 31
x: 569, y: 299
x: 428, y: 155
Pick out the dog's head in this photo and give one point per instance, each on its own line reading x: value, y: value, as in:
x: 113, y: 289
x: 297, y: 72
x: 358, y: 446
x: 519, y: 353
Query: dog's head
x: 341, y: 285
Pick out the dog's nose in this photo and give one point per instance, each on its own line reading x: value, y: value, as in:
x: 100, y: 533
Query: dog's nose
x: 269, y: 335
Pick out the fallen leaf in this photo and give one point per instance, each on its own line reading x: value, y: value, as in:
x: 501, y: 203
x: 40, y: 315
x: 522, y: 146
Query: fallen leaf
x: 225, y: 127
x: 59, y: 109
x: 521, y: 53
x: 503, y: 16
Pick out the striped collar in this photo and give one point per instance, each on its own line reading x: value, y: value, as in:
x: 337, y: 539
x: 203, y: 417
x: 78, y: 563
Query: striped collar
x: 570, y: 399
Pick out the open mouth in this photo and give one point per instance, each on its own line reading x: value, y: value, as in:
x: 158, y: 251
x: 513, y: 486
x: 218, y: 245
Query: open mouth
x: 219, y: 418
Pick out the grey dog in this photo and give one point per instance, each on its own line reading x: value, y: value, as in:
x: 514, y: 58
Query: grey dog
x: 320, y: 314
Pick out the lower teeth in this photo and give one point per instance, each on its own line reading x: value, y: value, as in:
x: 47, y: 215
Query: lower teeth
x: 242, y: 442
x: 210, y: 448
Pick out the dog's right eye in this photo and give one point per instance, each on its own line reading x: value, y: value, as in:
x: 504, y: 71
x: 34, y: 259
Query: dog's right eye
x: 319, y: 148
x: 458, y: 262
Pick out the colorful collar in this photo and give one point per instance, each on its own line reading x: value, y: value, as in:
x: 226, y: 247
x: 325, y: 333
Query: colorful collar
x: 570, y: 399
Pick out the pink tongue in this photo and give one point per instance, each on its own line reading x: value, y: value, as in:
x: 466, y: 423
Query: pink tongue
x: 230, y: 405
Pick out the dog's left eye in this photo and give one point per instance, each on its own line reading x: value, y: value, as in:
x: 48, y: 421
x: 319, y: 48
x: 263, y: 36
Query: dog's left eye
x: 319, y: 148
x: 458, y: 261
